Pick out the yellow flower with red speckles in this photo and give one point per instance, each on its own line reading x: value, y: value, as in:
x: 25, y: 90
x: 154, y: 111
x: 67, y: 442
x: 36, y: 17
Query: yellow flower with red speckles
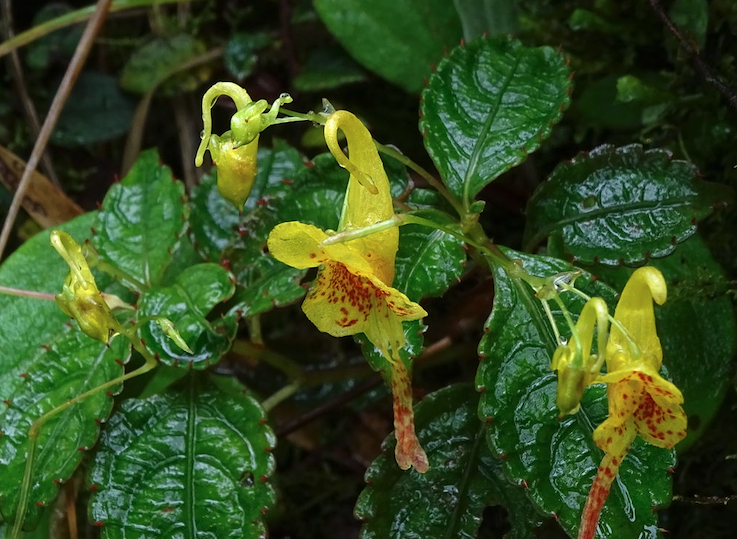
x: 352, y: 292
x: 641, y: 402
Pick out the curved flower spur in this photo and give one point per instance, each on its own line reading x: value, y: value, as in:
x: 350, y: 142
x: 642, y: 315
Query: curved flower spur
x: 352, y: 292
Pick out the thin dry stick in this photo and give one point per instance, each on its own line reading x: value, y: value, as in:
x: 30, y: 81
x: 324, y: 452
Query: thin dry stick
x: 701, y: 66
x: 22, y: 89
x: 70, y: 77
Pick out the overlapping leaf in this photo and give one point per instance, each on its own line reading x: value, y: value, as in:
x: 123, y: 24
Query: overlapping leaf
x: 448, y: 500
x: 557, y: 460
x: 193, y: 462
x: 141, y: 220
x: 150, y: 65
x: 186, y: 304
x: 428, y: 261
x: 489, y: 104
x: 398, y: 39
x: 620, y: 205
x: 67, y: 366
x: 697, y: 305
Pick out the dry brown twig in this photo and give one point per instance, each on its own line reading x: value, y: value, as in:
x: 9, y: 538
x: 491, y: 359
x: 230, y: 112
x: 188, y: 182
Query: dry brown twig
x: 62, y: 94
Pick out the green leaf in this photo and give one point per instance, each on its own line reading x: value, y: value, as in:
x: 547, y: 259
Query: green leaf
x: 326, y: 69
x: 557, y: 460
x: 141, y: 220
x: 241, y: 53
x: 42, y: 52
x: 96, y: 111
x: 193, y: 462
x: 215, y: 221
x: 463, y: 479
x: 492, y: 17
x: 186, y: 304
x: 152, y: 64
x: 67, y: 366
x: 269, y: 284
x: 428, y: 261
x: 697, y: 306
x: 620, y: 206
x: 397, y: 39
x: 489, y: 104
x: 693, y: 17
x: 27, y: 323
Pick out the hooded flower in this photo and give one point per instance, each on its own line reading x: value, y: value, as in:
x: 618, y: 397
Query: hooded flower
x: 577, y: 367
x: 352, y: 292
x: 80, y: 297
x: 641, y: 402
x: 234, y: 153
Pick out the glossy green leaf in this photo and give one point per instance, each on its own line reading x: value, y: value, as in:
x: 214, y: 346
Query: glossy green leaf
x: 187, y: 303
x: 241, y: 53
x: 96, y: 111
x: 150, y: 65
x: 269, y: 284
x: 620, y: 205
x: 326, y: 69
x: 428, y: 261
x: 489, y: 104
x: 697, y: 306
x: 215, y: 221
x: 398, y: 39
x: 27, y: 323
x: 557, y: 460
x: 193, y: 462
x: 141, y: 220
x: 67, y: 366
x: 463, y: 479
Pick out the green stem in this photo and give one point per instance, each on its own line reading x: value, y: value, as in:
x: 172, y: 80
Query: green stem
x: 281, y: 395
x: 122, y: 276
x: 35, y: 430
x: 429, y: 178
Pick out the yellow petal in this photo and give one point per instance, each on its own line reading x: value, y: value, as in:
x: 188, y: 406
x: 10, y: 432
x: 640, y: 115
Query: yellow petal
x: 635, y: 312
x: 298, y: 245
x: 368, y: 198
x: 236, y: 169
x: 345, y: 302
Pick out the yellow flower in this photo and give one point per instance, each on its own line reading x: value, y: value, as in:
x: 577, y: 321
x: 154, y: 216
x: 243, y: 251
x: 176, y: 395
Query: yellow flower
x: 352, y: 292
x: 640, y: 400
x: 80, y: 298
x: 234, y: 153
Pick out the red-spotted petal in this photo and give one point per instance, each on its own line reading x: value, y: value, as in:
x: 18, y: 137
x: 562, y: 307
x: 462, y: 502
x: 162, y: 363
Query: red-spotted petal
x: 343, y: 302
